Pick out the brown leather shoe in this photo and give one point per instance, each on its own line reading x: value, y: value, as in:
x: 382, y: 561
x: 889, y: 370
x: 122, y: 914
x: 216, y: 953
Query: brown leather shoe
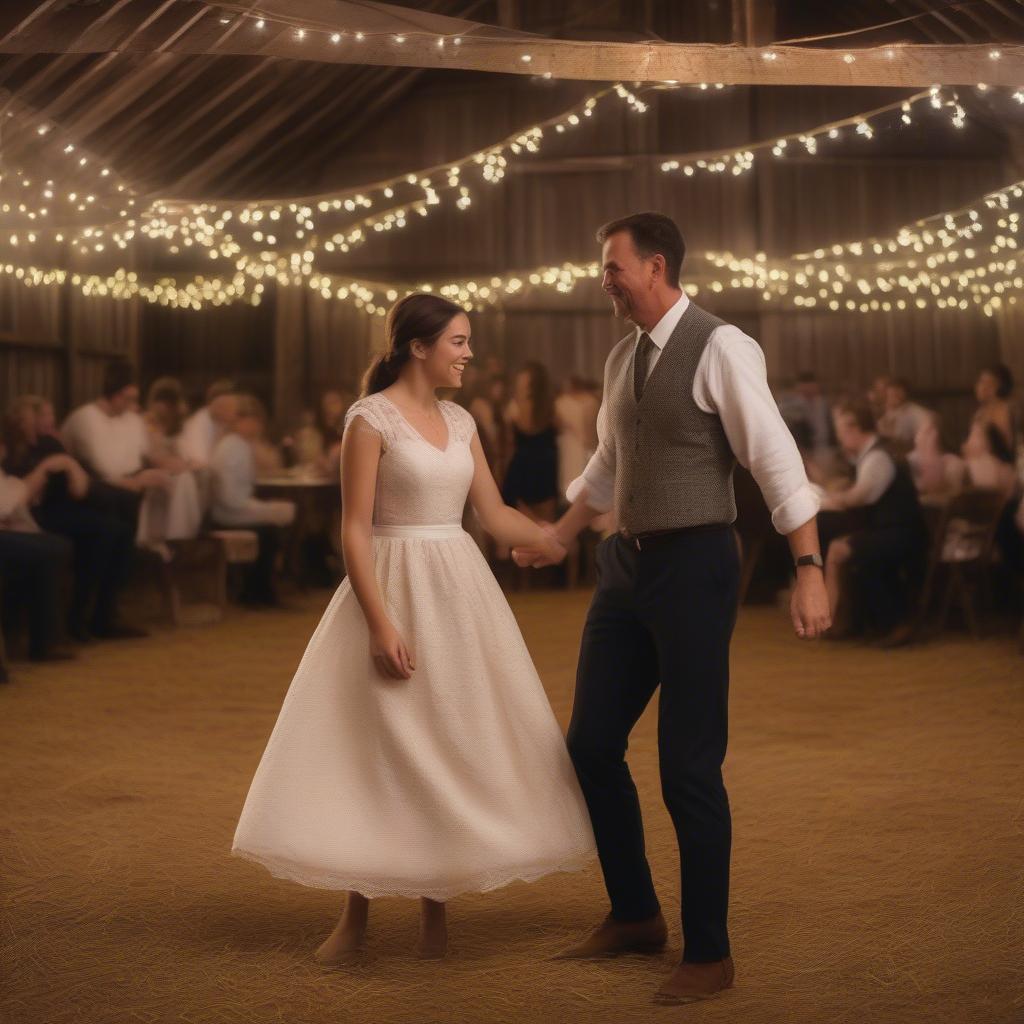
x: 612, y: 938
x: 690, y: 982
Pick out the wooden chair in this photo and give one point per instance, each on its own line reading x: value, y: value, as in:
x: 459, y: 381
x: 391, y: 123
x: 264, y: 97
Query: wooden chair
x: 961, y: 550
x: 205, y: 564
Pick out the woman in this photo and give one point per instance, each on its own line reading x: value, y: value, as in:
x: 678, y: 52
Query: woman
x: 993, y: 389
x: 166, y: 411
x: 531, y: 482
x: 576, y: 411
x: 416, y: 753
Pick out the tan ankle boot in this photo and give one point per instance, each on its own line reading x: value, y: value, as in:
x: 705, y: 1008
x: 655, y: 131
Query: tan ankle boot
x: 690, y: 982
x: 612, y: 938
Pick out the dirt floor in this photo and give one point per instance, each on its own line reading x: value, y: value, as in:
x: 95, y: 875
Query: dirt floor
x: 877, y: 861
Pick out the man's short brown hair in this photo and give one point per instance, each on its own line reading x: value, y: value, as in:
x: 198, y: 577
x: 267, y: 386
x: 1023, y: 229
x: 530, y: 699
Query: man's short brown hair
x: 652, y: 233
x: 860, y: 412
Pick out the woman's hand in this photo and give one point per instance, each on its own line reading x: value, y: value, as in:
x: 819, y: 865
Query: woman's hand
x: 390, y: 653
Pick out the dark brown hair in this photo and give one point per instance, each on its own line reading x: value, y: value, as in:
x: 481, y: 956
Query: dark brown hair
x: 861, y: 413
x: 118, y: 374
x: 420, y: 316
x: 652, y: 233
x: 542, y: 402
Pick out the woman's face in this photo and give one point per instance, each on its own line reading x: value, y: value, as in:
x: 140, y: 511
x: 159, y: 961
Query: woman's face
x: 523, y: 388
x: 498, y: 391
x: 332, y: 406
x: 446, y: 360
x: 986, y: 387
x: 46, y: 419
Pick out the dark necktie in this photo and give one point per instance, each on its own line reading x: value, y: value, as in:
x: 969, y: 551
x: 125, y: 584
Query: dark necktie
x: 640, y: 362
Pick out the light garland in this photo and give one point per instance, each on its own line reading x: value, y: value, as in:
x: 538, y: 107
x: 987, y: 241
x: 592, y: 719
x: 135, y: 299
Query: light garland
x: 741, y: 158
x: 271, y: 224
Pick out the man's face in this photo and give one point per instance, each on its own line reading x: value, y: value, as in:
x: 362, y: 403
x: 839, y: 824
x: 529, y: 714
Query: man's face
x: 895, y: 396
x: 847, y: 432
x: 627, y: 277
x: 124, y: 400
x: 223, y: 409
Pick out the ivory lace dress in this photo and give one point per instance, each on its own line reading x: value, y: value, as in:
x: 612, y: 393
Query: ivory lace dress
x: 455, y: 780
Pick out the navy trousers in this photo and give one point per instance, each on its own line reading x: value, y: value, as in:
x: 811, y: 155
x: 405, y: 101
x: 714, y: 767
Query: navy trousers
x: 661, y: 615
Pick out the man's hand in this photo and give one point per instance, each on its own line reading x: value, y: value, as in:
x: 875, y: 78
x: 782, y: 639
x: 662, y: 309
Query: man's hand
x: 551, y: 553
x: 809, y: 605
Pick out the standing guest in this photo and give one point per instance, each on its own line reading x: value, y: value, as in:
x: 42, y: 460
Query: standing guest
x: 30, y: 560
x: 234, y: 502
x: 531, y: 481
x: 206, y: 426
x: 885, y: 558
x: 100, y: 539
x: 903, y: 418
x: 487, y: 407
x: 576, y: 411
x: 815, y: 412
x: 993, y: 390
x: 333, y: 405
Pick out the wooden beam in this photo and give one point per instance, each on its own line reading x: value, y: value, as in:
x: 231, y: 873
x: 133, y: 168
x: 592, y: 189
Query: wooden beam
x: 570, y: 59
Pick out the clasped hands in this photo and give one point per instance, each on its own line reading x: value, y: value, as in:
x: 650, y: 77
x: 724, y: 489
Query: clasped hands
x: 536, y: 557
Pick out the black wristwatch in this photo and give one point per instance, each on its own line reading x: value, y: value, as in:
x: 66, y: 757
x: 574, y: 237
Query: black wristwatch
x: 810, y: 560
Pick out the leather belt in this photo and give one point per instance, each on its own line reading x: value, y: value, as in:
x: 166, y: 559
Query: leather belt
x: 638, y: 539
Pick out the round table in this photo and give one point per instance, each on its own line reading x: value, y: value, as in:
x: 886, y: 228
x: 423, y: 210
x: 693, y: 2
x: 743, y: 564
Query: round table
x: 317, y: 512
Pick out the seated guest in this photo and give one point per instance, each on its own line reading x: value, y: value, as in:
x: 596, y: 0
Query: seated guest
x: 234, y: 502
x: 902, y: 418
x: 100, y: 539
x: 147, y: 488
x: 993, y: 390
x: 165, y: 418
x: 875, y: 396
x: 988, y: 459
x: 30, y: 560
x: 937, y: 474
x: 206, y: 426
x: 268, y: 458
x: 888, y: 552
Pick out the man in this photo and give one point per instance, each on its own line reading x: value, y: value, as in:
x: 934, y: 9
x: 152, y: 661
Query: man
x: 206, y: 426
x: 902, y: 419
x: 109, y: 438
x: 808, y: 409
x: 31, y: 561
x: 685, y: 395
x: 235, y: 504
x: 885, y: 558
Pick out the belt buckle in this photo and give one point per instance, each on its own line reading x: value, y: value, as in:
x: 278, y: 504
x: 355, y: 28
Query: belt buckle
x: 631, y: 538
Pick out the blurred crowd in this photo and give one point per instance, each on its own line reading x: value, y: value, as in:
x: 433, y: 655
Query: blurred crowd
x: 123, y: 474
x: 897, y: 502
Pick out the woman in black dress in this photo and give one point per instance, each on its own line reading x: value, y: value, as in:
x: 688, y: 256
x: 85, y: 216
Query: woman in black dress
x: 531, y: 481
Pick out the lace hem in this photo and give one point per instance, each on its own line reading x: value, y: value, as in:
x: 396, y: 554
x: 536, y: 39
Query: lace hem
x: 281, y: 867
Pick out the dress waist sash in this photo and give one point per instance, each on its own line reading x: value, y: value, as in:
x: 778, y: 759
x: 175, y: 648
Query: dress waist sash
x: 440, y: 531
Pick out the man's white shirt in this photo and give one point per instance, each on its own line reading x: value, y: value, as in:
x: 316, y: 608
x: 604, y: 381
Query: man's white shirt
x: 731, y: 381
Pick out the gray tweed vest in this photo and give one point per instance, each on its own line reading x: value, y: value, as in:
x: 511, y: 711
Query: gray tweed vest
x: 673, y: 462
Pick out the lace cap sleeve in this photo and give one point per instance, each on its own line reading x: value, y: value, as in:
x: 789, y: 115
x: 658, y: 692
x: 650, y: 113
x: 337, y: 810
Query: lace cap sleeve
x: 461, y: 420
x: 369, y: 414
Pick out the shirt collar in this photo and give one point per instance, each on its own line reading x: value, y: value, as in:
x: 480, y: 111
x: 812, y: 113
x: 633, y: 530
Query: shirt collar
x: 662, y: 330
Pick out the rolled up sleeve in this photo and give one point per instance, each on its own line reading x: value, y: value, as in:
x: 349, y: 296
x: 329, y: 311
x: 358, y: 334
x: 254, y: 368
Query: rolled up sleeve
x: 735, y: 387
